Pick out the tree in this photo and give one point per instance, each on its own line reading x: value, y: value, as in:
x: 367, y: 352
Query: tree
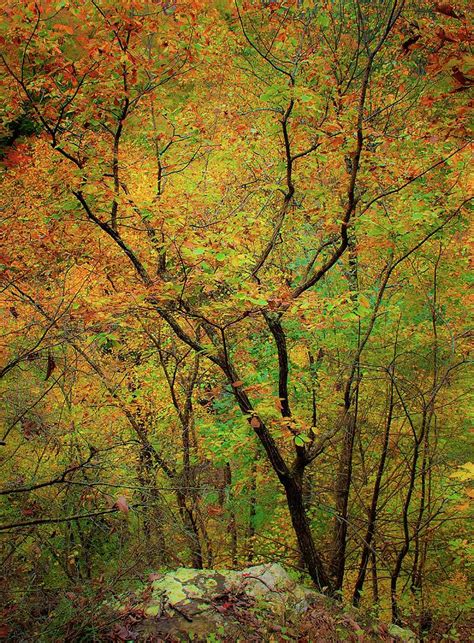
x: 262, y: 227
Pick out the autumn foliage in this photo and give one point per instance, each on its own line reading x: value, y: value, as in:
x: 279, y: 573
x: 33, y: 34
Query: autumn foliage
x: 234, y: 294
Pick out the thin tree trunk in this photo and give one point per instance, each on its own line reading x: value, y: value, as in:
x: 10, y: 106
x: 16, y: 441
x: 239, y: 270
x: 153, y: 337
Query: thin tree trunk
x: 344, y: 474
x: 206, y: 540
x: 343, y: 483
x: 370, y: 532
x: 406, y: 532
x: 252, y: 510
x: 232, y: 518
x: 375, y: 580
x: 192, y: 531
x: 153, y: 520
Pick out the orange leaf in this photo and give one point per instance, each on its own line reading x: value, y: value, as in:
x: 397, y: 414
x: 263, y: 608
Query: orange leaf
x: 254, y: 422
x: 337, y: 140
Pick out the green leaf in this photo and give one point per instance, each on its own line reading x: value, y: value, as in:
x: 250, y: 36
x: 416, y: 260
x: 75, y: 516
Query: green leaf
x: 323, y: 20
x: 206, y: 268
x: 69, y: 206
x: 301, y: 439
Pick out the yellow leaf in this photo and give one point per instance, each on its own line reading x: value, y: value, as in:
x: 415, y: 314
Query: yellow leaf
x: 465, y: 472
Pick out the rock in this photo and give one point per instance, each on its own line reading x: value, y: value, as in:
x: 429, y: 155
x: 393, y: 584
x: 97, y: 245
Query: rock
x: 197, y: 602
x: 401, y: 633
x: 260, y: 603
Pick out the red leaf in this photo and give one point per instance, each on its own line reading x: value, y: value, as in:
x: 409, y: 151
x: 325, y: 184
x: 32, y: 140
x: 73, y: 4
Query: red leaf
x: 214, y: 510
x: 446, y: 10
x: 254, y: 422
x: 443, y: 36
x: 51, y: 366
x: 461, y: 78
x: 237, y: 384
x: 410, y: 42
x: 122, y: 505
x: 17, y: 155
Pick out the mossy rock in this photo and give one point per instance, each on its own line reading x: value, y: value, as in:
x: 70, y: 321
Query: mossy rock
x: 260, y: 603
x: 193, y: 604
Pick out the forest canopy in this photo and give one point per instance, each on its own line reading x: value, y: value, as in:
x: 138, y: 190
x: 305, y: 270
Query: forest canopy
x: 234, y: 296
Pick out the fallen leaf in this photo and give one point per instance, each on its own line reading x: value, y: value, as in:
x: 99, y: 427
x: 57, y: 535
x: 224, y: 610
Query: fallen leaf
x: 152, y: 577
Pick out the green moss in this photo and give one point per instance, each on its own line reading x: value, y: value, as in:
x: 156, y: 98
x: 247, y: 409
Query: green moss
x: 193, y: 590
x: 402, y: 633
x: 170, y: 587
x: 153, y: 610
x: 185, y: 575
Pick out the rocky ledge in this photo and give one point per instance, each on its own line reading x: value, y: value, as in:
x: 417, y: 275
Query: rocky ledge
x: 260, y: 603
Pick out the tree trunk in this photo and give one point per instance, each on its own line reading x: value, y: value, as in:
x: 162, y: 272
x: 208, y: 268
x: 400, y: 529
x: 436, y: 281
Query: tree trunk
x: 153, y: 519
x: 343, y: 483
x: 375, y: 579
x: 370, y: 532
x: 232, y: 519
x: 192, y: 531
x: 252, y: 510
x: 299, y: 520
